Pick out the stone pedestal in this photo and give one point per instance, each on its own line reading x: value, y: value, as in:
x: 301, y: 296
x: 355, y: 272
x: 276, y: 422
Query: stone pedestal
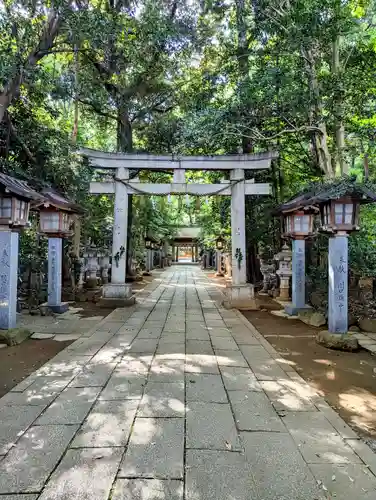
x: 117, y: 295
x: 105, y: 267
x: 298, y: 279
x: 8, y: 278
x: 92, y: 267
x: 55, y: 251
x: 147, y: 262
x: 219, y: 272
x: 284, y: 288
x: 240, y: 297
x: 284, y: 272
x: 338, y: 284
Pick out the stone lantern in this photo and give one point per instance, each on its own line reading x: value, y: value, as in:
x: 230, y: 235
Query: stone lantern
x: 91, y: 254
x: 55, y: 221
x: 284, y: 258
x: 298, y: 226
x: 339, y: 209
x: 219, y: 244
x: 15, y: 198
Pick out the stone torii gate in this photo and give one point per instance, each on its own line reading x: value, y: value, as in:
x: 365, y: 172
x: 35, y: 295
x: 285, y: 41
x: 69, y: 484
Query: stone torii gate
x: 240, y: 294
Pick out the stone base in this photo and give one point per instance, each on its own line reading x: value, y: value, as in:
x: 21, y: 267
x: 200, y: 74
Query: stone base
x: 292, y: 310
x: 240, y: 297
x: 339, y: 341
x: 217, y: 274
x: 59, y: 309
x: 134, y: 277
x: 116, y: 295
x: 14, y: 336
x: 91, y: 283
x: 283, y: 314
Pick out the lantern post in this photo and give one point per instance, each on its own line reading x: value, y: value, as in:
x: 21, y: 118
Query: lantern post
x: 15, y: 197
x: 56, y: 220
x: 338, y: 218
x: 298, y: 225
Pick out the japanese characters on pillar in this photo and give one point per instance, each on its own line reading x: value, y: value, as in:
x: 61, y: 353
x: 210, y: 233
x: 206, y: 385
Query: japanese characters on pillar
x: 298, y: 225
x: 15, y: 198
x: 56, y: 218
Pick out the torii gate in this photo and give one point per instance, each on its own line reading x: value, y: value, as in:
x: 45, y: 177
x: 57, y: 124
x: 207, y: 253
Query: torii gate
x: 240, y: 294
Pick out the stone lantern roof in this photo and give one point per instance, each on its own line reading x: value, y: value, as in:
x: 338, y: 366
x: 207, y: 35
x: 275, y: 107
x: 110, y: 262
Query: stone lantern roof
x: 19, y: 188
x: 320, y: 193
x: 50, y: 197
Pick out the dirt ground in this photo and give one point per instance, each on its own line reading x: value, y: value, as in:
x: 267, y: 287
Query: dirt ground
x: 346, y: 380
x: 20, y: 361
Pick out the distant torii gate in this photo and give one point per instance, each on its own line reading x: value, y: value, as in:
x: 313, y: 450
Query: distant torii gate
x: 240, y: 294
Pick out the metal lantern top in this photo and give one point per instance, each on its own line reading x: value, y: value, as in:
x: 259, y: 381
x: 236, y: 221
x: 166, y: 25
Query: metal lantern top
x: 15, y: 198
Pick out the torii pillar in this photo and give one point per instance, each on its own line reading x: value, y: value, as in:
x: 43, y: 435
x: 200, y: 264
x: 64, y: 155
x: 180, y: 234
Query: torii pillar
x: 239, y: 294
x: 118, y: 293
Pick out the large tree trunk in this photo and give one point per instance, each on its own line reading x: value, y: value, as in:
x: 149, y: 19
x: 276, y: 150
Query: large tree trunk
x: 319, y: 139
x: 125, y: 145
x: 340, y: 166
x: 11, y: 89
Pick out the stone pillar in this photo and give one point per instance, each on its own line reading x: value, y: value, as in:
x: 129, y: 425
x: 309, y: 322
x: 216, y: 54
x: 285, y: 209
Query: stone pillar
x: 105, y: 268
x: 193, y: 253
x: 177, y: 254
x: 55, y: 253
x: 147, y: 261
x: 239, y: 274
x: 218, y: 261
x: 298, y: 278
x: 173, y: 253
x: 81, y: 279
x: 338, y: 284
x: 8, y: 278
x: 240, y: 294
x: 118, y: 293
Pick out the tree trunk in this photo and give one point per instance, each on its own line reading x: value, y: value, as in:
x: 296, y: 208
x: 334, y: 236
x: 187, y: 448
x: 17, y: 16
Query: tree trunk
x: 340, y: 166
x: 11, y: 89
x: 125, y: 145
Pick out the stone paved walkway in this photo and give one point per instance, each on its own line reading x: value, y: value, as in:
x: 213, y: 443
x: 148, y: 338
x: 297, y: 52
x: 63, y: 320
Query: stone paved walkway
x: 176, y: 399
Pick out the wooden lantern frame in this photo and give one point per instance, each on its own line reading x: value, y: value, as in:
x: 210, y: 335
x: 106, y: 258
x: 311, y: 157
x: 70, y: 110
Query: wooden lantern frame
x: 18, y: 207
x: 292, y: 230
x: 64, y: 221
x: 349, y: 222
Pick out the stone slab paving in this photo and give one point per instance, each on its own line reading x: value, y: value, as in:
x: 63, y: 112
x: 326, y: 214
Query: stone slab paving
x: 175, y: 398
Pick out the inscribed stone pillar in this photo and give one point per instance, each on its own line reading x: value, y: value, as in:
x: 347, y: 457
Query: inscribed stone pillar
x: 239, y: 275
x: 8, y: 278
x: 119, y: 242
x: 55, y: 252
x: 298, y: 278
x: 338, y: 284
